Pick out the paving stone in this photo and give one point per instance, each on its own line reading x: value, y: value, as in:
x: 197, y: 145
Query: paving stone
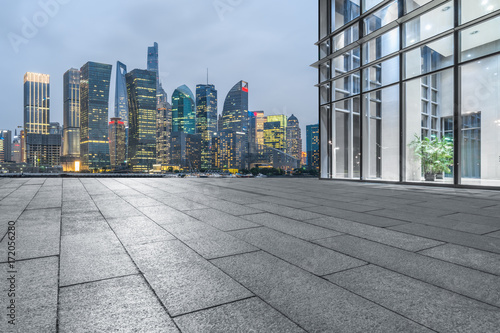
x: 292, y: 227
x: 117, y: 209
x: 465, y: 256
x: 92, y: 257
x: 183, y: 280
x: 477, y: 285
x: 182, y: 204
x: 208, y: 241
x: 495, y: 234
x: 221, y: 220
x: 136, y: 230
x: 35, y: 295
x: 292, y: 213
x: 308, y: 256
x: 433, y: 307
x: 287, y: 202
x: 378, y: 221
x: 381, y: 235
x: 231, y: 208
x: 116, y: 305
x: 86, y: 222
x: 141, y: 201
x: 79, y: 206
x: 164, y: 215
x: 250, y: 315
x: 477, y: 219
x: 310, y: 301
x: 452, y: 236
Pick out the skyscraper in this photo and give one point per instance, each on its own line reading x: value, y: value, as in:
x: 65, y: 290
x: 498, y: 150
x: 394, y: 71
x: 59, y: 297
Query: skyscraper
x: 293, y: 137
x: 163, y: 132
x: 235, y: 111
x: 71, y: 113
x: 94, y: 97
x: 121, y: 102
x: 16, y: 149
x: 275, y: 132
x: 6, y: 150
x: 153, y: 64
x: 141, y: 89
x: 206, y: 120
x: 312, y: 144
x: 183, y: 110
x: 117, y: 143
x: 229, y: 150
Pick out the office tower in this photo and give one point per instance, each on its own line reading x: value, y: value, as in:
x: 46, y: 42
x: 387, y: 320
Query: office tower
x: 235, y: 111
x: 42, y: 148
x: 163, y: 132
x: 71, y: 114
x: 55, y: 128
x: 293, y: 137
x: 303, y: 160
x: 16, y: 149
x: 94, y: 98
x: 229, y: 151
x: 117, y: 143
x: 141, y: 89
x: 312, y: 145
x: 153, y: 64
x: 275, y: 132
x: 220, y: 125
x: 186, y: 150
x: 6, y: 149
x: 121, y: 101
x: 183, y: 111
x: 260, y: 120
x: 206, y: 120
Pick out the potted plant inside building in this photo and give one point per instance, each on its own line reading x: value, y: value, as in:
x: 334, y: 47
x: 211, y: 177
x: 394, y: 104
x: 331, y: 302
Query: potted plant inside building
x: 436, y: 155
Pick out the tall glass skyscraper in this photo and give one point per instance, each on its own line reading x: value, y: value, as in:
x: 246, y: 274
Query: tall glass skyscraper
x: 312, y: 146
x: 206, y: 120
x: 121, y: 102
x: 141, y: 88
x: 117, y: 143
x: 36, y: 103
x: 183, y: 111
x: 94, y: 98
x: 293, y: 137
x: 275, y: 132
x: 153, y: 64
x: 71, y: 109
x: 235, y: 111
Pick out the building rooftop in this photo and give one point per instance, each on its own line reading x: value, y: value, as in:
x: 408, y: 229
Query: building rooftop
x: 248, y: 255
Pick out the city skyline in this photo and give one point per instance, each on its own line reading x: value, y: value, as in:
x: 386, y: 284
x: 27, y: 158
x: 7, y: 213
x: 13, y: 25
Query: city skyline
x: 183, y: 60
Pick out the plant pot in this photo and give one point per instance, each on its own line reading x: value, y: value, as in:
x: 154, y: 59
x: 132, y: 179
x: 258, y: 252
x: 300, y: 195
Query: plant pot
x: 439, y: 176
x: 429, y: 177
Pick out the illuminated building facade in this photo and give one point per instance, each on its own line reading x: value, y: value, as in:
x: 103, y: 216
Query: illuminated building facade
x: 235, y: 111
x: 117, y: 143
x: 206, y: 120
x: 393, y: 73
x: 293, y: 137
x: 183, y: 111
x: 275, y: 132
x: 141, y: 88
x: 163, y: 132
x: 6, y: 146
x: 186, y: 150
x: 71, y: 114
x: 229, y: 150
x: 16, y: 149
x: 94, y: 96
x: 121, y: 100
x: 312, y: 145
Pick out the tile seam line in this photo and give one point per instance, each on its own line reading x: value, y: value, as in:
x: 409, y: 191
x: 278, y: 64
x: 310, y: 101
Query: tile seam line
x: 100, y: 280
x: 133, y: 261
x: 34, y: 258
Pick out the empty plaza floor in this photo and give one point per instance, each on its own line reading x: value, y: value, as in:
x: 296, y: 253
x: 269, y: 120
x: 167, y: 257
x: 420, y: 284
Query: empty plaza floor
x: 246, y: 255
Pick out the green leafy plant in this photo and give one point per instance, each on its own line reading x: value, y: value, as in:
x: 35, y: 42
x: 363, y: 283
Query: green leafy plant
x: 436, y: 155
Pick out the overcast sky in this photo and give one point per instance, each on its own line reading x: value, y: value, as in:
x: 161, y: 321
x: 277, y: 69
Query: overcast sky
x: 269, y: 43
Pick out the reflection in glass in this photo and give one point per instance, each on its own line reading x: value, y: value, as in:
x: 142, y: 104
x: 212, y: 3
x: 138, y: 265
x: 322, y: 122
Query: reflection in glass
x: 428, y: 113
x: 369, y: 4
x: 480, y: 133
x: 471, y: 10
x: 381, y: 134
x: 481, y: 39
x: 429, y: 57
x: 347, y: 61
x: 411, y: 5
x: 323, y: 18
x: 324, y: 93
x: 381, y: 74
x: 346, y: 37
x: 343, y: 12
x: 381, y: 17
x: 324, y: 49
x: 324, y: 71
x: 381, y: 46
x: 347, y: 143
x: 429, y: 24
x: 346, y: 86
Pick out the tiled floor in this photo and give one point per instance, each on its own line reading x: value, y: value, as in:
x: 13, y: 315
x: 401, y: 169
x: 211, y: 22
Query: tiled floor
x: 249, y: 255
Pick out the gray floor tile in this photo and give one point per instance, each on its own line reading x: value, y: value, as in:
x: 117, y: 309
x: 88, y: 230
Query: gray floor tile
x: 378, y: 221
x: 164, y: 215
x: 221, y: 220
x: 135, y: 230
x: 292, y: 213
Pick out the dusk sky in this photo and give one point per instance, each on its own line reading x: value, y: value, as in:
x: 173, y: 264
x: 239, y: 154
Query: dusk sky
x: 270, y: 44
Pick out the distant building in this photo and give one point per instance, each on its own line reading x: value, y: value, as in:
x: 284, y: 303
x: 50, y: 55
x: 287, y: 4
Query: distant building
x: 153, y: 63
x: 312, y: 132
x: 121, y: 100
x: 141, y: 88
x: 163, y: 132
x: 94, y: 96
x: 294, y: 137
x: 5, y: 146
x: 275, y: 132
x: 303, y: 161
x: 230, y: 150
x: 183, y: 111
x: 235, y: 111
x: 55, y: 128
x: 186, y: 150
x: 71, y: 114
x: 17, y: 149
x: 117, y: 143
x: 206, y: 120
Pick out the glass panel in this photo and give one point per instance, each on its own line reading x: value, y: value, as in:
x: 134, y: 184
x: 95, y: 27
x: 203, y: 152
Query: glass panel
x: 325, y: 142
x: 346, y: 86
x: 381, y: 134
x: 381, y: 17
x: 346, y: 145
x: 481, y: 39
x: 429, y: 57
x: 429, y: 129
x: 346, y: 61
x: 429, y: 24
x: 343, y: 12
x: 323, y: 18
x: 324, y: 71
x: 381, y: 46
x: 324, y: 93
x: 324, y: 49
x: 411, y: 5
x: 369, y: 4
x: 480, y: 135
x: 346, y: 37
x: 381, y: 74
x: 473, y: 9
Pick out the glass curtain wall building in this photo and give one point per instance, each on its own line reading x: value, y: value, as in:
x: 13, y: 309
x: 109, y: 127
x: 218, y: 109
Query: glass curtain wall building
x: 183, y: 111
x: 401, y: 79
x: 71, y: 131
x: 206, y: 120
